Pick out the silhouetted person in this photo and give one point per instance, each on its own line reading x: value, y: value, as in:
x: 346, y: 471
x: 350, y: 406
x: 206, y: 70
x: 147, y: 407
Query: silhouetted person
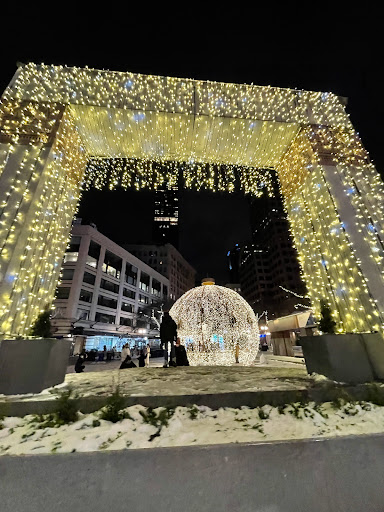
x: 79, y: 366
x: 141, y: 359
x: 127, y: 363
x: 168, y: 334
x: 181, y: 354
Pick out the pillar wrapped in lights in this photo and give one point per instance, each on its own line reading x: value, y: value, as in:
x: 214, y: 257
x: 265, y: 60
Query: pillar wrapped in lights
x: 216, y: 325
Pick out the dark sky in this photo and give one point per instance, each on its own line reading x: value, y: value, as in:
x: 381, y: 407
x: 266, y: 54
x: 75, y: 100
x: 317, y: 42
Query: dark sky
x: 318, y: 50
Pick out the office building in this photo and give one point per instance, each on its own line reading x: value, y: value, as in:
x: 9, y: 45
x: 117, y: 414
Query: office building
x: 167, y: 260
x: 267, y: 266
x: 166, y: 217
x: 106, y: 292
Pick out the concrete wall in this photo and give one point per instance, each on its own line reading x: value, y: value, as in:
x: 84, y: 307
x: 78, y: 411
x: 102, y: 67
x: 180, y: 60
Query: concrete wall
x: 338, y: 475
x: 29, y: 366
x: 349, y: 357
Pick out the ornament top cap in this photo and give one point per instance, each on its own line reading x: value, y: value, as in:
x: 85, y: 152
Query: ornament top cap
x: 207, y: 280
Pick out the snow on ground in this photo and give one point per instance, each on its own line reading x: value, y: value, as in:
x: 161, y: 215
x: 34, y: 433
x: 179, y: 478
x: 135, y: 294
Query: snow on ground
x: 179, y: 381
x: 197, y: 425
x: 188, y: 380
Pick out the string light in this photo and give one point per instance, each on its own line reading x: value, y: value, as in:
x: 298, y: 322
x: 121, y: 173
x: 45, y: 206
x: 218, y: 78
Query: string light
x: 65, y: 129
x: 216, y: 325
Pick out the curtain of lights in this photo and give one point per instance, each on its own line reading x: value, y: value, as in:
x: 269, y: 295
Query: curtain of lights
x: 141, y: 131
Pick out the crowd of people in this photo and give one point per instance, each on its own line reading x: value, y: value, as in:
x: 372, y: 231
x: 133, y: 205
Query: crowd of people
x: 174, y: 352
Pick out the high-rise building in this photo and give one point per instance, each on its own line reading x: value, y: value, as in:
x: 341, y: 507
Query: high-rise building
x: 167, y: 260
x: 268, y: 265
x: 166, y: 217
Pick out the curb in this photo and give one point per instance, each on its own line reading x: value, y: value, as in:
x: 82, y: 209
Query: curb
x: 318, y: 394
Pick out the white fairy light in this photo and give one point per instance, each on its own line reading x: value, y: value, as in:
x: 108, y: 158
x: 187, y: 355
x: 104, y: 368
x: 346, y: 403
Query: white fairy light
x: 216, y: 325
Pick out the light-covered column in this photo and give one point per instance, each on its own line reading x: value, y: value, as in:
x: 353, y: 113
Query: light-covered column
x: 334, y: 200
x: 42, y: 163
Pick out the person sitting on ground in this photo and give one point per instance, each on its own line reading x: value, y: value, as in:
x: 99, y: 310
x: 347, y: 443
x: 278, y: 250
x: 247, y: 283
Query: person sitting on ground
x: 127, y: 363
x: 181, y: 354
x: 79, y: 366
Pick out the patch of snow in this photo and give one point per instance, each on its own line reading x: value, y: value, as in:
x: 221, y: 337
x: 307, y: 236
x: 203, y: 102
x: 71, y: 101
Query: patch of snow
x: 197, y: 425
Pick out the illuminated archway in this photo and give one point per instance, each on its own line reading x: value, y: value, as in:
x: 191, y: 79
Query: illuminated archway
x: 55, y: 121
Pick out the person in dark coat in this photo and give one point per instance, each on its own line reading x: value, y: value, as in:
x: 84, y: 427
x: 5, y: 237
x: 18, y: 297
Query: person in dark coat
x: 127, y: 363
x: 181, y: 354
x: 168, y: 334
x: 79, y: 366
x: 141, y: 359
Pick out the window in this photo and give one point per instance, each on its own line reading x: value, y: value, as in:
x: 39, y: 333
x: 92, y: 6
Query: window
x: 69, y: 257
x: 165, y: 290
x: 89, y: 278
x: 104, y: 318
x: 85, y: 296
x: 74, y: 244
x: 67, y: 274
x: 62, y: 292
x: 112, y: 264
x: 82, y: 314
x: 125, y: 321
x: 144, y: 282
x: 126, y: 306
x: 93, y: 254
x: 130, y: 274
x: 143, y: 299
x: 107, y: 302
x: 108, y: 285
x: 156, y: 288
x: 129, y: 293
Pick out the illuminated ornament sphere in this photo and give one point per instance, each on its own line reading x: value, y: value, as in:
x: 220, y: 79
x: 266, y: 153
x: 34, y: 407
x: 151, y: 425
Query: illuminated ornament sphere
x: 216, y: 325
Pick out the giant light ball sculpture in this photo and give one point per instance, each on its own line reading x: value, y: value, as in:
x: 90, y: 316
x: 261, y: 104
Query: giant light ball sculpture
x: 216, y: 325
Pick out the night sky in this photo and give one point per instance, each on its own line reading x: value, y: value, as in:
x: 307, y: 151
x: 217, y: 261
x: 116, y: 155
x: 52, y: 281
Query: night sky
x: 342, y: 54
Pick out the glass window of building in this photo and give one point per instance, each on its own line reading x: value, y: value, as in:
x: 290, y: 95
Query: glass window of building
x: 127, y: 307
x: 62, y: 292
x: 125, y: 321
x: 107, y: 302
x: 85, y: 296
x: 104, y: 318
x: 144, y: 282
x: 165, y: 290
x: 129, y: 293
x: 156, y: 288
x: 82, y: 314
x: 70, y: 257
x: 143, y: 299
x: 112, y: 264
x: 93, y: 254
x: 89, y: 278
x: 67, y: 274
x: 108, y: 285
x: 74, y: 244
x: 131, y: 274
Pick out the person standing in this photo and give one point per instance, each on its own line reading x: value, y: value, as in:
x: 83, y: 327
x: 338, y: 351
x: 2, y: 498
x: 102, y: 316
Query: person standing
x: 264, y: 350
x: 147, y: 356
x: 125, y: 352
x: 168, y: 334
x: 141, y: 359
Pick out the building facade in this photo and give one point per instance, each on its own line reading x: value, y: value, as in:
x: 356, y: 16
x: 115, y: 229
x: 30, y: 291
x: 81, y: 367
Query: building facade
x: 106, y: 291
x: 167, y: 260
x: 267, y: 267
x: 165, y: 228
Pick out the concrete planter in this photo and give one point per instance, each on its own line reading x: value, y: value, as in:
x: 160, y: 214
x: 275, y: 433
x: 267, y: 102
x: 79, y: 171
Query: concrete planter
x: 29, y: 366
x: 353, y: 358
